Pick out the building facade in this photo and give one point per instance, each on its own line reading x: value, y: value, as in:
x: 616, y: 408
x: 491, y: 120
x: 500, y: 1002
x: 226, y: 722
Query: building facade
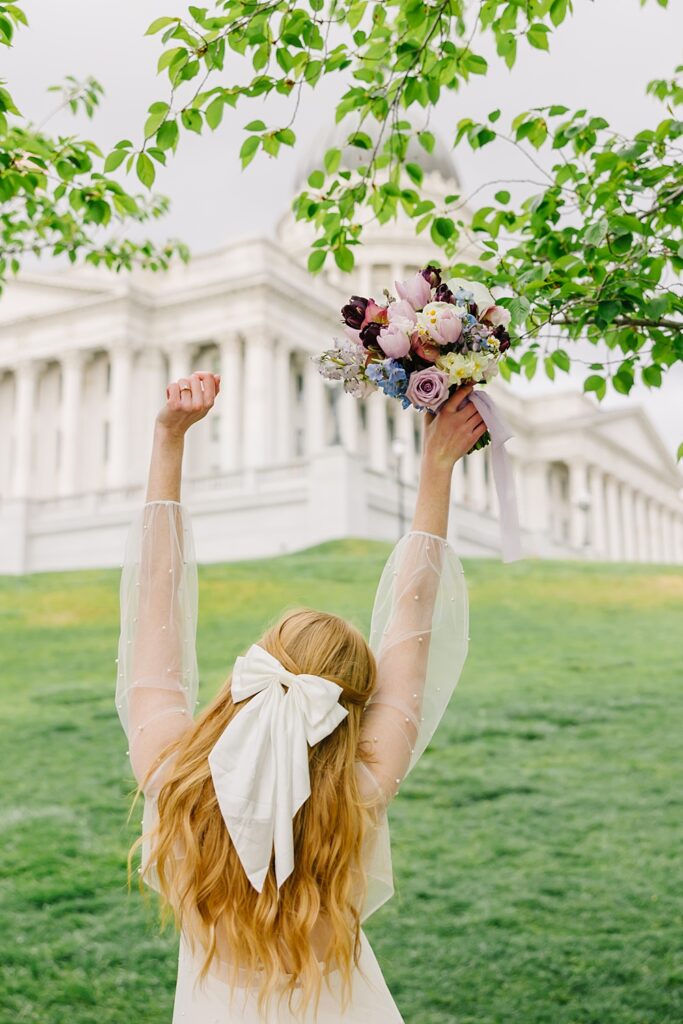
x: 286, y: 460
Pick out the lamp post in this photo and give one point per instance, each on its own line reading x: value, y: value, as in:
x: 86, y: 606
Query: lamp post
x: 398, y: 450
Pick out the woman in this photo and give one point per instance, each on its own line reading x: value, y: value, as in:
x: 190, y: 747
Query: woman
x: 265, y: 823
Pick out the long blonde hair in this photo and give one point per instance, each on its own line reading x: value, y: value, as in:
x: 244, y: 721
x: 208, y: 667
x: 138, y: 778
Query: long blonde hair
x: 270, y: 931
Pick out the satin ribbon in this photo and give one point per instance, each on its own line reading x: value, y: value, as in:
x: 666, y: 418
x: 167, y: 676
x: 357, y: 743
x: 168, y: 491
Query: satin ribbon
x: 259, y: 765
x: 502, y: 474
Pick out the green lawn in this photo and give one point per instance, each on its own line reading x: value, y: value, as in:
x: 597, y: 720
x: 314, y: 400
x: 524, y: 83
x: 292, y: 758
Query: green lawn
x: 537, y: 847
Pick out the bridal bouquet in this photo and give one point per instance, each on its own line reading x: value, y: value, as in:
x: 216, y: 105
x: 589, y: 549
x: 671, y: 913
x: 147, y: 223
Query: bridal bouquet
x: 420, y: 347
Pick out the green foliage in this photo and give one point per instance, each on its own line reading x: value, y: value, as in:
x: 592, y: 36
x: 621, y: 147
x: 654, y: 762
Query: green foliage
x: 536, y: 846
x: 56, y: 192
x: 591, y: 255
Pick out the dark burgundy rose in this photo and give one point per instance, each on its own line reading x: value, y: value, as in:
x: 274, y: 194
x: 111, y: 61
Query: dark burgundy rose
x: 431, y: 276
x: 370, y: 333
x: 444, y: 294
x: 472, y: 308
x: 353, y: 313
x: 504, y: 343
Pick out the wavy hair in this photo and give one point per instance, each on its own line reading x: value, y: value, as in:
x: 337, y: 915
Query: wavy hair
x: 269, y: 934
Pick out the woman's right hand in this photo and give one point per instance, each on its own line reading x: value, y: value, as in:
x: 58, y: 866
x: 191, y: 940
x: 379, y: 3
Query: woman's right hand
x: 453, y: 431
x: 188, y: 400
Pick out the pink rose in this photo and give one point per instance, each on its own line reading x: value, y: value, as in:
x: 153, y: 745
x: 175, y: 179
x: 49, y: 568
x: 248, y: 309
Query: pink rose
x: 416, y: 291
x: 394, y: 341
x: 428, y: 389
x: 497, y: 316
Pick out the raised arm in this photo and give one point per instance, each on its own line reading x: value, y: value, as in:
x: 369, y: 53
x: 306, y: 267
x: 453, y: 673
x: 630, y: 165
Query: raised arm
x: 420, y: 619
x: 157, y: 667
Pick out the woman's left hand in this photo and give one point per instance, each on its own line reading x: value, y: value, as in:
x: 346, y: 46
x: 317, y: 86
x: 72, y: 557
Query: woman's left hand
x: 189, y: 399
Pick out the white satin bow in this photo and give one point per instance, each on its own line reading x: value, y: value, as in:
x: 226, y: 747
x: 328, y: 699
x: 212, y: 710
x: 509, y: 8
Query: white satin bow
x: 259, y: 765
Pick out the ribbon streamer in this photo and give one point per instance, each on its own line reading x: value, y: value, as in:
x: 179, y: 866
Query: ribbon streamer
x: 259, y: 765
x: 502, y: 474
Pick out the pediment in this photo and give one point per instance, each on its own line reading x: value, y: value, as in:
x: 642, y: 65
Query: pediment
x: 633, y: 430
x: 34, y: 296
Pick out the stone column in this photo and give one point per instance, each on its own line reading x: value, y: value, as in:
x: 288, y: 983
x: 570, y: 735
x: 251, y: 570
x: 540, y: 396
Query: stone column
x: 668, y: 534
x: 654, y: 531
x: 614, y: 532
x: 628, y: 523
x: 477, y: 481
x: 596, y: 490
x: 641, y: 527
x: 121, y: 360
x: 578, y: 502
x: 25, y: 396
x: 179, y: 361
x: 257, y: 417
x: 492, y: 495
x: 283, y: 403
x: 535, y: 515
x: 315, y: 400
x: 404, y: 433
x: 378, y: 434
x: 70, y: 420
x: 230, y: 402
x: 349, y: 422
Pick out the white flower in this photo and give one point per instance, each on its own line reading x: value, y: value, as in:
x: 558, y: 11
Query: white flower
x: 480, y: 293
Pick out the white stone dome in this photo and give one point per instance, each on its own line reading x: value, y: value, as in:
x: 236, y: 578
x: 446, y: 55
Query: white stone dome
x: 438, y: 162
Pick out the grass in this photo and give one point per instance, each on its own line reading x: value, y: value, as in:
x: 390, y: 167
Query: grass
x: 536, y: 846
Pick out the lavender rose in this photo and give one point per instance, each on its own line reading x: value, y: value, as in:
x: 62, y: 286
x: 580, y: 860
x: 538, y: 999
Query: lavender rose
x: 428, y: 389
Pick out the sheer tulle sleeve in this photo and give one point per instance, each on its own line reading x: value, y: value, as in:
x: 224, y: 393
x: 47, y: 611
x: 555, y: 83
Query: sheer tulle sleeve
x: 419, y: 635
x: 156, y: 688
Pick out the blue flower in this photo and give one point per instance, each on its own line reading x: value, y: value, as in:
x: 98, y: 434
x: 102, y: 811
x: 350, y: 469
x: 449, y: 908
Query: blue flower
x: 391, y: 378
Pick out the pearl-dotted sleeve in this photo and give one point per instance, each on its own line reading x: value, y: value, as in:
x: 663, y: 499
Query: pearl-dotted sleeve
x: 419, y: 637
x: 156, y: 687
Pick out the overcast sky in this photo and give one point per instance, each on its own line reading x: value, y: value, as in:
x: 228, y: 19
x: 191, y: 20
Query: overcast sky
x: 601, y: 58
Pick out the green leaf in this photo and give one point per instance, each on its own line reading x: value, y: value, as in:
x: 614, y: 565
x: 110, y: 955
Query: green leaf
x: 538, y: 36
x: 519, y: 308
x: 596, y: 384
x: 679, y: 453
x: 114, y: 160
x: 316, y: 260
x: 145, y: 170
x: 502, y: 197
x: 316, y: 179
x: 160, y: 23
x: 415, y: 173
x: 255, y: 126
x: 558, y: 11
x: 214, y: 112
x: 344, y: 259
x: 595, y: 234
x: 248, y: 150
x: 561, y: 359
x: 332, y: 160
x: 192, y: 120
x: 652, y: 376
x: 167, y: 136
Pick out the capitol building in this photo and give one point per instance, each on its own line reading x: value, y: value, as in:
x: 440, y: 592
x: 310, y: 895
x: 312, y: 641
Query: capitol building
x: 286, y: 460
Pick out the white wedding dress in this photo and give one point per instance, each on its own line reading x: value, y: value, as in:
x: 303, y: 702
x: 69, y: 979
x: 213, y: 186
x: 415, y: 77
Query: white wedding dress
x: 419, y: 635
